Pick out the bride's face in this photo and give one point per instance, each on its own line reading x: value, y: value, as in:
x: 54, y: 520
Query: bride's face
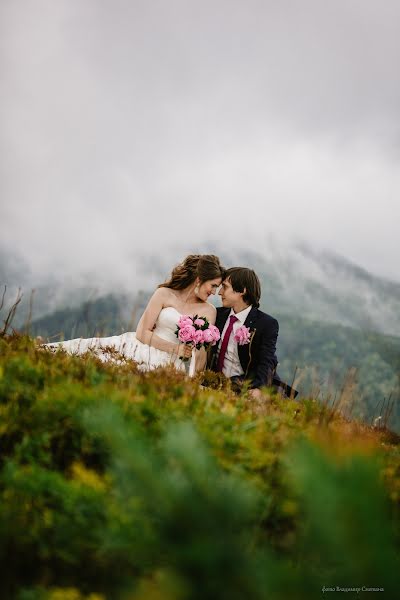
x: 207, y: 288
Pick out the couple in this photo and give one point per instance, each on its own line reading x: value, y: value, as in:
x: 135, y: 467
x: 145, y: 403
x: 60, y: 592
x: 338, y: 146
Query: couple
x: 155, y: 343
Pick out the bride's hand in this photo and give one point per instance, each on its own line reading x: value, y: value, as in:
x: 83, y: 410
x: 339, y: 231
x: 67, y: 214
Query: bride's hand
x: 185, y: 350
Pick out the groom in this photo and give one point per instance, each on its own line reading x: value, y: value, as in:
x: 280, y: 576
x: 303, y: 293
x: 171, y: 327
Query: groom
x: 245, y: 355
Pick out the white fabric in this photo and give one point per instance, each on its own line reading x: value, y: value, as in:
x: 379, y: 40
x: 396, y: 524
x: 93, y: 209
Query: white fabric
x: 129, y: 346
x: 232, y: 366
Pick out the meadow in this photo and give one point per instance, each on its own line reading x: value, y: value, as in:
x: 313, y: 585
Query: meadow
x: 321, y: 357
x: 118, y: 484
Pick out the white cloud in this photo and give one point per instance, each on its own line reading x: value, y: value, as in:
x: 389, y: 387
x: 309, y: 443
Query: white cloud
x: 131, y: 127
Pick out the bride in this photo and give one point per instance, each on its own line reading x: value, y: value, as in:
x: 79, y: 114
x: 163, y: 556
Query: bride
x: 155, y: 343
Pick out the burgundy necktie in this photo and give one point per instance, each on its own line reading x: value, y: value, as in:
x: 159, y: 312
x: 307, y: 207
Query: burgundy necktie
x: 224, y: 344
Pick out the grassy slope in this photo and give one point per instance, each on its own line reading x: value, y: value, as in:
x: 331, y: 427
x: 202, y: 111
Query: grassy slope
x: 322, y: 353
x: 116, y: 482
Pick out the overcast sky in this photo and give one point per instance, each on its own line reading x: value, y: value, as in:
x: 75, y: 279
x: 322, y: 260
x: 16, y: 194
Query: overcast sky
x: 128, y: 127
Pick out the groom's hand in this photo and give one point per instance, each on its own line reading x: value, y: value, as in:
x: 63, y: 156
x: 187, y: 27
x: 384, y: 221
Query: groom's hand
x: 255, y: 394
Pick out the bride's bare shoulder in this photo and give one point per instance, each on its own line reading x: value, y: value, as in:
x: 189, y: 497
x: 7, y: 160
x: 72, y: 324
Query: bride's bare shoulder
x: 164, y: 295
x: 160, y: 296
x: 211, y: 310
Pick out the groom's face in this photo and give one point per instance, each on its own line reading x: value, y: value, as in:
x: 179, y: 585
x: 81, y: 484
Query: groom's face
x: 228, y: 295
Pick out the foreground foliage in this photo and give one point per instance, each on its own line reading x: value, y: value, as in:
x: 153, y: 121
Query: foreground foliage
x: 119, y: 484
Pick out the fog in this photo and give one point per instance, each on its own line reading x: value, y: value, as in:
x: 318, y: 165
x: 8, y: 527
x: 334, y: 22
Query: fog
x: 132, y: 131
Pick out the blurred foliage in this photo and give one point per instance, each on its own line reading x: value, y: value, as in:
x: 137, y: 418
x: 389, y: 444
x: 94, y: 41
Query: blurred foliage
x: 116, y: 484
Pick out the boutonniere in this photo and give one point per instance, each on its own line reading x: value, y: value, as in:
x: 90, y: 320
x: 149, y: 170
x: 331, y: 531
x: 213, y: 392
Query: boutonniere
x: 243, y: 335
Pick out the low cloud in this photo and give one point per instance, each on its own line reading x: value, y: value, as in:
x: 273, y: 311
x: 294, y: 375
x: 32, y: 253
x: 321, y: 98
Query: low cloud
x: 131, y: 129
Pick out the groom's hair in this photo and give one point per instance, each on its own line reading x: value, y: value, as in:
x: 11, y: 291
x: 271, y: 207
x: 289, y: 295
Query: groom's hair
x: 242, y: 278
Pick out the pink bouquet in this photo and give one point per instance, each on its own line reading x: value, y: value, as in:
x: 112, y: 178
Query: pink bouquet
x: 197, y: 331
x: 242, y: 335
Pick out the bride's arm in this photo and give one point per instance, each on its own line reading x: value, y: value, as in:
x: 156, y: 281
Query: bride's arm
x: 144, y: 330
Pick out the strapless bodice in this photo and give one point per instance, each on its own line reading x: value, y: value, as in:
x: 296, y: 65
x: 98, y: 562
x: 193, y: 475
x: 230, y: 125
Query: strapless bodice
x: 166, y: 324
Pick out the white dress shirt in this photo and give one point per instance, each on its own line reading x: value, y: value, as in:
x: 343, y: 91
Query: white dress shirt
x: 232, y: 366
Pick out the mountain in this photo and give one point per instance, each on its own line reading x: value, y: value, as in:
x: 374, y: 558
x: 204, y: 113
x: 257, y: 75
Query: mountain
x: 107, y: 315
x: 330, y: 360
x: 321, y: 285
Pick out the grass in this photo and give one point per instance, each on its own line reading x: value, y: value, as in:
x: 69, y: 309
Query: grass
x: 121, y: 484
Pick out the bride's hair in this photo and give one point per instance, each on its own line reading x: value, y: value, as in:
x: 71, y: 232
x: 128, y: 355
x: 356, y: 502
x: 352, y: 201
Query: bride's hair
x: 203, y: 266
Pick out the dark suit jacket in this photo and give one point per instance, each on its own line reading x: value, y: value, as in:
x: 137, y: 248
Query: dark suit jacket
x: 258, y: 358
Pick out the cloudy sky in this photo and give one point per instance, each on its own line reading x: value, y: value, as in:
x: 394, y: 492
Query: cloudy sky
x: 129, y: 127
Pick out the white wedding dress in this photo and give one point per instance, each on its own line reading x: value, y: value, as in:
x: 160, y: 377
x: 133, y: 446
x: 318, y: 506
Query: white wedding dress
x: 128, y: 345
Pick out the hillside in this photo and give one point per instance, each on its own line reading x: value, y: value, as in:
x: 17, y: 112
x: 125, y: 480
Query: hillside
x: 337, y: 321
x: 319, y: 355
x: 118, y: 484
x: 327, y: 358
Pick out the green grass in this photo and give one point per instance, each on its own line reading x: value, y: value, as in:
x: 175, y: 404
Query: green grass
x: 320, y: 353
x: 120, y: 484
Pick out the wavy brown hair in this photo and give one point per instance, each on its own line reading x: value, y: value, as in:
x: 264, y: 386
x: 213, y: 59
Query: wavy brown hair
x: 203, y: 266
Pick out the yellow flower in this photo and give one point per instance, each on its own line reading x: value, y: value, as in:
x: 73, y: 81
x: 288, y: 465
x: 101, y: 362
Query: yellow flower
x: 87, y: 477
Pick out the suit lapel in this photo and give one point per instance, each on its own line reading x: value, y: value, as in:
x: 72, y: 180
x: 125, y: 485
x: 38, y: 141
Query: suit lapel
x: 244, y: 351
x: 251, y: 318
x: 222, y: 315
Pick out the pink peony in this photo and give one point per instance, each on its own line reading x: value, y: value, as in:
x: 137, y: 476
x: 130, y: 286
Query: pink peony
x: 242, y: 335
x: 215, y: 333
x: 186, y: 333
x: 189, y: 329
x: 198, y: 337
x: 208, y: 336
x: 185, y: 321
